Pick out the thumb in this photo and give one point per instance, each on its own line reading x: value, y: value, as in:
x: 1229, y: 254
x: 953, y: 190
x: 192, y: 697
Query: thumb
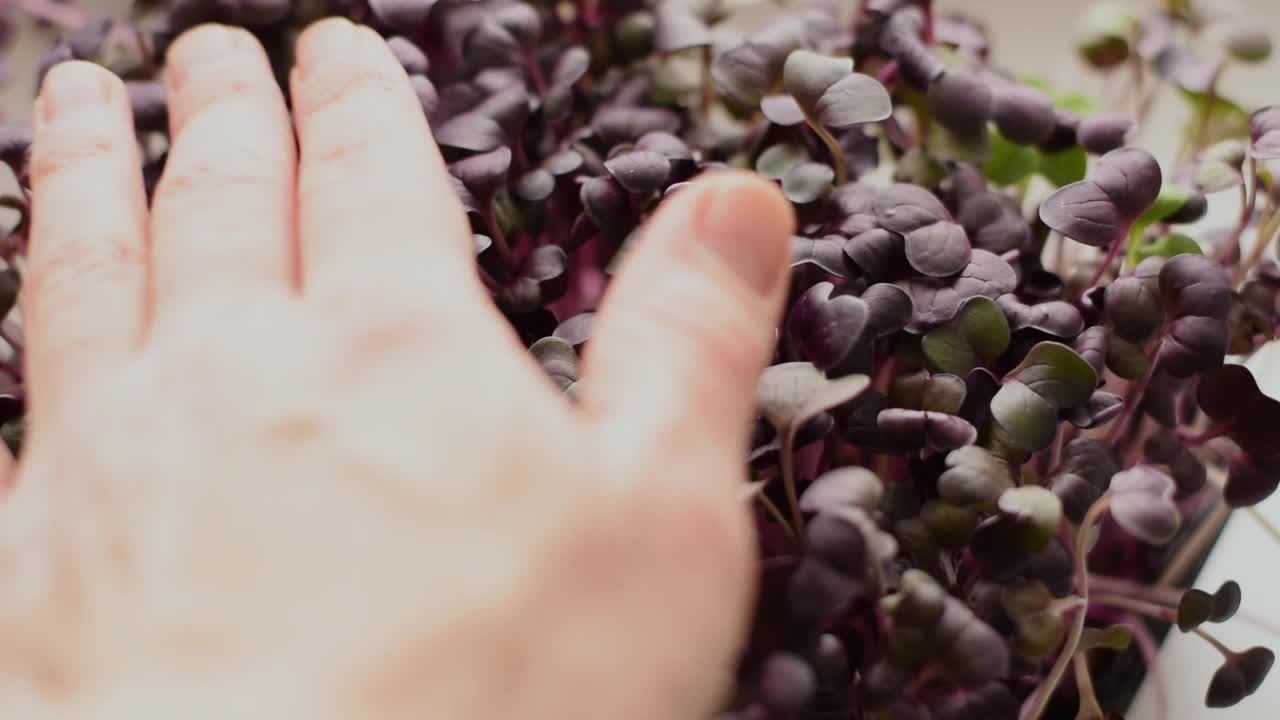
x: 689, y: 323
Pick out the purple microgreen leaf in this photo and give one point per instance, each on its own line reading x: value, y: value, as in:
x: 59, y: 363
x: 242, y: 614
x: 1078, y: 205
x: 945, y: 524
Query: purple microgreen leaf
x: 1102, y: 133
x: 878, y: 253
x: 806, y: 182
x: 782, y: 110
x: 1091, y: 344
x: 1142, y: 502
x: 888, y: 309
x: 1132, y: 303
x: 402, y: 15
x: 1024, y: 115
x: 920, y: 390
x: 1220, y: 167
x: 936, y: 301
x: 791, y: 393
x: 856, y: 486
x: 807, y: 75
x: 826, y: 253
x: 777, y: 160
x: 910, y: 430
x: 535, y: 185
x: 853, y: 100
x: 1264, y: 133
x: 605, y: 202
x: 961, y: 102
x: 1247, y: 43
x: 483, y: 174
x: 1100, y: 209
x: 975, y: 337
x: 615, y: 125
x: 1162, y: 448
x: 570, y: 67
x: 1033, y: 513
x: 1106, y: 34
x: 1101, y: 407
x: 676, y: 28
x: 639, y: 171
x: 427, y: 98
x: 974, y: 477
x: 408, y: 54
x: 934, y: 244
x: 787, y: 682
x: 968, y: 649
x: 1196, y: 294
x: 577, y: 329
x: 993, y: 222
x: 824, y: 328
x: 1056, y: 317
x: 1230, y: 396
x: 1240, y: 675
x: 1040, y: 627
x: 470, y: 131
x: 557, y: 357
x: 521, y: 20
x: 1051, y: 378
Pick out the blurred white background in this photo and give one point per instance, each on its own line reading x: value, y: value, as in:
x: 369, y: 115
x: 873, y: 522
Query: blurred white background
x: 1035, y: 37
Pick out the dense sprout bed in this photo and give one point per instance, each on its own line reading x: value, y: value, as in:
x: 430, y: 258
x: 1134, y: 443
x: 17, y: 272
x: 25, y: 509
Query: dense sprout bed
x: 1004, y: 343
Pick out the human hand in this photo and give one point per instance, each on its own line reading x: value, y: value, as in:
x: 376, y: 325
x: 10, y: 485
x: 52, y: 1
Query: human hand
x: 285, y: 460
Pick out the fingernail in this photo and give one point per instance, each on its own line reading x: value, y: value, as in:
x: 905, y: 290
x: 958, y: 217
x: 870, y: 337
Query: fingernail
x: 198, y: 47
x: 71, y: 86
x: 326, y: 38
x: 747, y: 223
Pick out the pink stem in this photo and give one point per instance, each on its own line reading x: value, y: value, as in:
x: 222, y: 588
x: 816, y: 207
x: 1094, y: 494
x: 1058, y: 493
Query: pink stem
x: 1150, y: 654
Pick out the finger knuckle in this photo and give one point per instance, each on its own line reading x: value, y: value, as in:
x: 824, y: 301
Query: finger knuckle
x: 58, y: 275
x: 206, y: 170
x: 343, y: 88
x: 71, y: 147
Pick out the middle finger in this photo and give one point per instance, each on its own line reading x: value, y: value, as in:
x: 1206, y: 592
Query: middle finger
x: 223, y: 215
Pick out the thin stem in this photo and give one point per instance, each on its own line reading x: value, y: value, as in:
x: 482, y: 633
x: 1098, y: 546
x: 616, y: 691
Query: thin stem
x: 487, y: 280
x: 787, y: 450
x: 1195, y: 545
x: 888, y: 73
x: 11, y: 370
x: 1206, y: 112
x: 1142, y: 607
x: 833, y: 146
x: 495, y: 234
x: 1215, y: 642
x: 1039, y: 700
x: 1132, y: 399
x: 1150, y: 655
x: 1232, y: 245
x: 1106, y: 263
x: 1270, y: 529
x: 535, y: 71
x: 1089, y: 707
x: 772, y: 508
x: 1260, y: 244
x: 1197, y: 439
x: 1120, y: 586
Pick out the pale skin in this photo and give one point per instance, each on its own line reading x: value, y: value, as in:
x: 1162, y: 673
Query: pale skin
x: 286, y: 460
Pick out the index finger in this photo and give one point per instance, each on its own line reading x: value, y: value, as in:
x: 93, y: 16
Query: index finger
x: 378, y: 213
